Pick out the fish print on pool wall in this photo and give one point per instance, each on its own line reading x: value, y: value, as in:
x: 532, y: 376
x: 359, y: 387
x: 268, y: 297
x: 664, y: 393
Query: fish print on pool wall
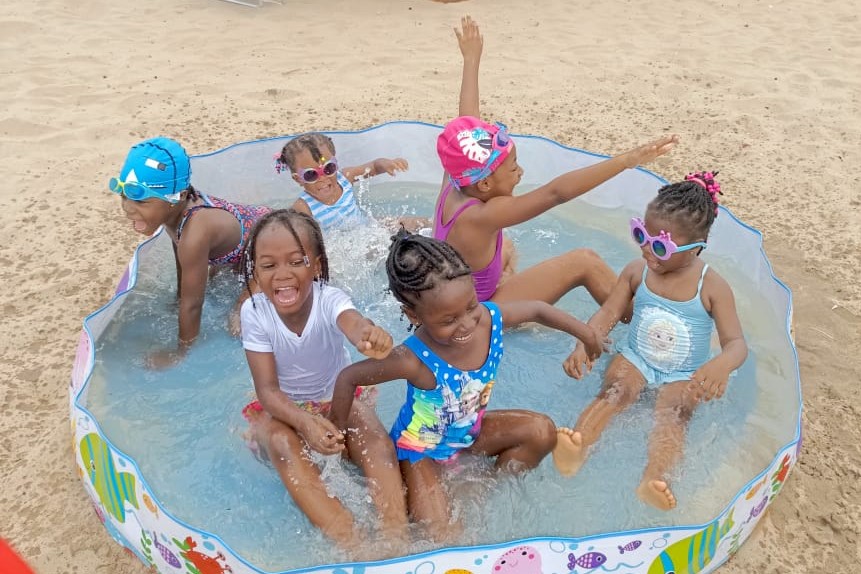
x: 519, y: 560
x: 690, y: 555
x: 113, y: 488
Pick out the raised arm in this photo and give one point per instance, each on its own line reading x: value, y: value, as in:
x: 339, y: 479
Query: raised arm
x: 714, y: 375
x: 471, y: 42
x: 505, y: 211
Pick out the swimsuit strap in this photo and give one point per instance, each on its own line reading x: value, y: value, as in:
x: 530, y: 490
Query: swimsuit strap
x: 186, y: 215
x: 702, y: 276
x: 445, y: 228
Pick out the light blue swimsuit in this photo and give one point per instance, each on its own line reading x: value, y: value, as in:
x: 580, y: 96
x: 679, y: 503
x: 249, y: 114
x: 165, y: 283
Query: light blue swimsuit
x: 668, y: 340
x: 342, y: 213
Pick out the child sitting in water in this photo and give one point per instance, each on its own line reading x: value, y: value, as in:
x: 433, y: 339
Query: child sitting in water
x: 477, y: 202
x: 293, y: 333
x: 327, y: 190
x: 155, y: 190
x: 677, y: 300
x: 450, y: 365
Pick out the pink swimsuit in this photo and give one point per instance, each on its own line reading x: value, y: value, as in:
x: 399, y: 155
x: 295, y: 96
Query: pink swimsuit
x: 487, y: 279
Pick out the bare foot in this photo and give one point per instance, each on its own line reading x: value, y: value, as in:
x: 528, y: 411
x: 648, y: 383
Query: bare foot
x: 657, y: 493
x: 569, y: 454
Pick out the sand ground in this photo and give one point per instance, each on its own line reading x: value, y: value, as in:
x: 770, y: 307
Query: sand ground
x: 767, y: 91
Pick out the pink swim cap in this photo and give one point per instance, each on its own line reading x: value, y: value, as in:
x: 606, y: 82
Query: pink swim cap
x: 470, y: 149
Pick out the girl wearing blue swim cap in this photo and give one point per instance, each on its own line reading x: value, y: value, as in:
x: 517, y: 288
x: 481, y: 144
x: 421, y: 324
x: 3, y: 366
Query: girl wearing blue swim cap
x: 155, y: 189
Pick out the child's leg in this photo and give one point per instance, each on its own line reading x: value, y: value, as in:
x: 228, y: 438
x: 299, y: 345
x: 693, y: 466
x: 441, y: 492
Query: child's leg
x: 372, y: 450
x: 301, y: 477
x: 428, y: 501
x: 673, y: 410
x: 550, y: 280
x: 519, y: 439
x: 622, y: 386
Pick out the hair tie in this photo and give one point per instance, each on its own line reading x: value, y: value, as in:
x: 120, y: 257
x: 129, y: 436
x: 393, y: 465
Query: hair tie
x: 706, y: 180
x: 279, y: 164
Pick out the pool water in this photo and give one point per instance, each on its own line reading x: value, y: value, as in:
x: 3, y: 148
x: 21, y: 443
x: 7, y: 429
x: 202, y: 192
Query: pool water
x: 184, y: 428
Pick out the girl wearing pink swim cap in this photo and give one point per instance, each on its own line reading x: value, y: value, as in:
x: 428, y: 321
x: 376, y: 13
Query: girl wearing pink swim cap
x: 477, y: 200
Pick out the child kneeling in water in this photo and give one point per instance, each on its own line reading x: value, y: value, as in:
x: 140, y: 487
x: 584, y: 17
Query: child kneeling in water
x: 677, y: 300
x: 155, y: 187
x: 293, y: 333
x: 450, y: 365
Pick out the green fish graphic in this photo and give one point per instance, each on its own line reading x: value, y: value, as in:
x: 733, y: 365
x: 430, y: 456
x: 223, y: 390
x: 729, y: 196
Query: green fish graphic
x: 114, y: 488
x: 690, y: 555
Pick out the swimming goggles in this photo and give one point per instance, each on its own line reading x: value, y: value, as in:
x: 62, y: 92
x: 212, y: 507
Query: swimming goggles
x: 662, y: 245
x: 499, y: 144
x: 312, y: 174
x: 137, y: 191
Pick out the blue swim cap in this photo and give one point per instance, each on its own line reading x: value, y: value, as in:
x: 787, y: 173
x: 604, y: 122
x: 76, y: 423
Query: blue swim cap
x: 161, y: 165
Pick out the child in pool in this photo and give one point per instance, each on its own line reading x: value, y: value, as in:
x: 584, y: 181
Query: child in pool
x: 451, y: 364
x: 677, y: 300
x: 155, y: 189
x: 477, y: 202
x: 293, y: 332
x: 327, y: 190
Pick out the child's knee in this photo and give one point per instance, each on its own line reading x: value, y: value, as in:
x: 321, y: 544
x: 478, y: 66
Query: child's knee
x: 544, y: 433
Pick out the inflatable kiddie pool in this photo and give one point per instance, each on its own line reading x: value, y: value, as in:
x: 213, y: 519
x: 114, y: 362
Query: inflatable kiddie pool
x: 182, y: 505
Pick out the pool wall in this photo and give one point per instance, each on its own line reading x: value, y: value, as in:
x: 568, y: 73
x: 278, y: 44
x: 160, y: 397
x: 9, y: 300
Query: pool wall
x: 135, y: 518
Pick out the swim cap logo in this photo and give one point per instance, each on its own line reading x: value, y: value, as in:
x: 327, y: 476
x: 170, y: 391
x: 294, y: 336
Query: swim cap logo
x: 475, y: 144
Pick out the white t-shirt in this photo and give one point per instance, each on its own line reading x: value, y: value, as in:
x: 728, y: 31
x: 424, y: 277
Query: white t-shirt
x: 307, y: 365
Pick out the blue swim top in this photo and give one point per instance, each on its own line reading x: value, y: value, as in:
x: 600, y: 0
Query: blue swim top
x: 440, y: 422
x: 342, y: 213
x: 670, y: 336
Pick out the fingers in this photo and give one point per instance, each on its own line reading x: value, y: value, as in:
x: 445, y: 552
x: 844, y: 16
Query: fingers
x: 376, y: 342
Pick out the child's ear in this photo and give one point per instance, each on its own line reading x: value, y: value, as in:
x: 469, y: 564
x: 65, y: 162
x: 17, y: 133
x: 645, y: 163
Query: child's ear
x: 318, y: 267
x: 411, y: 315
x: 483, y: 186
x: 296, y: 178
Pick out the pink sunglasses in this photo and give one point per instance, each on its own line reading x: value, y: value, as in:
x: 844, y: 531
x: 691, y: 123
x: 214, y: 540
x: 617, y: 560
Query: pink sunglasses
x: 662, y: 245
x: 312, y: 174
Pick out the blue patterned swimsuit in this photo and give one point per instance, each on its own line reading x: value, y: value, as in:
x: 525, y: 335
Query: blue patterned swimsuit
x: 440, y: 422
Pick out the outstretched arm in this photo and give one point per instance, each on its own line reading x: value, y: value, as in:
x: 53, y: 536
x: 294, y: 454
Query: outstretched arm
x: 517, y: 312
x: 505, y: 211
x: 579, y: 362
x: 400, y: 364
x: 368, y: 338
x: 714, y: 375
x: 377, y: 167
x: 471, y: 42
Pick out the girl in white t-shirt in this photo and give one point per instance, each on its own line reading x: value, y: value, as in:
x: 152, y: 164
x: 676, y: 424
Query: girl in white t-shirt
x: 294, y: 333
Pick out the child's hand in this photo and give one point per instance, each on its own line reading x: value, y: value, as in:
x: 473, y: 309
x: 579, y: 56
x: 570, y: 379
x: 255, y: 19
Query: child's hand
x: 469, y: 39
x: 712, y: 379
x: 595, y: 343
x: 578, y: 363
x: 321, y: 435
x: 376, y: 342
x: 650, y: 151
x: 391, y: 166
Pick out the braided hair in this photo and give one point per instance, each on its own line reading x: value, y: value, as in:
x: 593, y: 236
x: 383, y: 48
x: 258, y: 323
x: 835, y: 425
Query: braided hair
x: 693, y: 203
x: 313, y: 142
x: 292, y: 220
x: 417, y: 263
